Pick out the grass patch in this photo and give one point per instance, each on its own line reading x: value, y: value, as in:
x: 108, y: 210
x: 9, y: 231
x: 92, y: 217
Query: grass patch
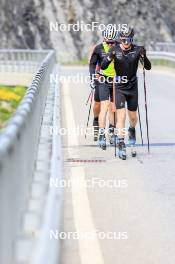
x: 77, y: 62
x: 10, y: 98
x: 163, y: 62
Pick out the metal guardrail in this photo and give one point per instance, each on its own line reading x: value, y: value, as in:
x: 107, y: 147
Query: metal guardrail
x: 162, y: 55
x: 164, y: 46
x: 23, y: 61
x: 18, y: 148
x: 48, y: 250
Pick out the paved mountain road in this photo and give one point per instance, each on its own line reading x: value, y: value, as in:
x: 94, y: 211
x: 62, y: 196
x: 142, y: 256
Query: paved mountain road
x: 140, y: 208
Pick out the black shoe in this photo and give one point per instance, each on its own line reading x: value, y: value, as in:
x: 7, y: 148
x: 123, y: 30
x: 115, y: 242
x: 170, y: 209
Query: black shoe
x: 102, y: 141
x: 132, y: 136
x: 122, y: 150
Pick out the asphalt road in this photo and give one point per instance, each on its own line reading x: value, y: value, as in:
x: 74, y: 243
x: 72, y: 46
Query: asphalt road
x: 133, y: 201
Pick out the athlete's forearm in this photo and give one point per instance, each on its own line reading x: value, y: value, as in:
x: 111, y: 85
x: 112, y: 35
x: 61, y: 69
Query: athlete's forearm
x: 106, y: 61
x: 92, y: 68
x: 92, y: 63
x: 108, y: 58
x: 147, y: 63
x: 144, y: 59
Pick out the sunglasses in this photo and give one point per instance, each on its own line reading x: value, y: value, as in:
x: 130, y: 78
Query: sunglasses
x: 110, y: 41
x: 126, y: 40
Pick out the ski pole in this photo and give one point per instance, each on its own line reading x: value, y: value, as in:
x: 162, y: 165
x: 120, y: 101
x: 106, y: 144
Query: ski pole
x: 89, y: 97
x: 92, y: 95
x: 114, y: 110
x: 146, y: 108
x: 140, y: 124
x: 115, y: 136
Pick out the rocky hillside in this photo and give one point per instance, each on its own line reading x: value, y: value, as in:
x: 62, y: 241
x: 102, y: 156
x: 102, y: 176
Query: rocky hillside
x: 26, y: 24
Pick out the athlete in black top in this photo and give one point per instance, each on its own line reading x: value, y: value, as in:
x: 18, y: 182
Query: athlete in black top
x: 97, y: 57
x: 126, y: 58
x: 126, y: 61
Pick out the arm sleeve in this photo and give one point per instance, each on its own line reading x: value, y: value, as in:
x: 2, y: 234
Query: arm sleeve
x: 107, y: 59
x: 146, y: 62
x: 93, y: 62
x: 105, y: 62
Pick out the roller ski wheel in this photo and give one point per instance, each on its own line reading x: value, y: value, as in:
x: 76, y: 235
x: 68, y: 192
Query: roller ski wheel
x: 133, y: 152
x: 103, y: 147
x: 122, y: 155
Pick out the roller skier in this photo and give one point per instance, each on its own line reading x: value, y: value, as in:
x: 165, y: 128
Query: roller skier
x: 126, y: 57
x: 102, y: 83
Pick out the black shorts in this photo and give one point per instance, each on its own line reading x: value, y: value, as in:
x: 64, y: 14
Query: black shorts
x: 96, y: 93
x: 129, y: 96
x: 106, y: 91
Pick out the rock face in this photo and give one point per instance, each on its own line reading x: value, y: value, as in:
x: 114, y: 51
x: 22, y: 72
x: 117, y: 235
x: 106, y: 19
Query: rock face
x: 36, y: 23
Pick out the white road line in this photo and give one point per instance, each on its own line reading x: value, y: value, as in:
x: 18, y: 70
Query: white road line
x: 89, y: 250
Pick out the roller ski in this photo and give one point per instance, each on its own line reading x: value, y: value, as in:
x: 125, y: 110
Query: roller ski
x: 96, y: 129
x: 132, y: 141
x: 122, y: 149
x: 113, y: 139
x: 102, y: 140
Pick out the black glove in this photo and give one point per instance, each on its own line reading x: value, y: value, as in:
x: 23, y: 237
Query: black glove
x: 92, y: 84
x: 111, y: 53
x: 143, y: 52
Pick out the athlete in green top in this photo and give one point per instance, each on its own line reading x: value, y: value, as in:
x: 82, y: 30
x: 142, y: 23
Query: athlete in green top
x: 104, y: 85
